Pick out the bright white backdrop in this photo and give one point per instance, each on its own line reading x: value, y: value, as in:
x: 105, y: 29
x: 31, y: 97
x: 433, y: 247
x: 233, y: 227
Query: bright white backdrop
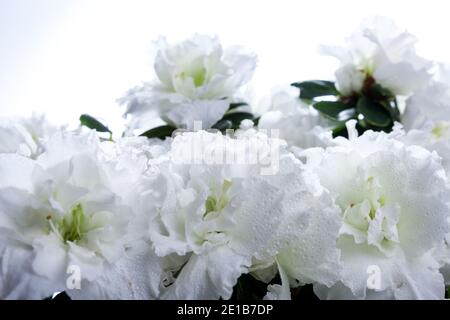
x: 67, y: 57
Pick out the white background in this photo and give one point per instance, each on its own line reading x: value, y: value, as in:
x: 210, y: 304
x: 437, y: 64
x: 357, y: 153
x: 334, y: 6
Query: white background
x: 67, y: 57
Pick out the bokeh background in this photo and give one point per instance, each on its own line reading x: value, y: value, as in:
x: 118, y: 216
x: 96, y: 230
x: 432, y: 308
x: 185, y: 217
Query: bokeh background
x: 67, y: 57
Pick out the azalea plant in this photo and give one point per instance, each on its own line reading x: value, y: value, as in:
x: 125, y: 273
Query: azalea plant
x: 339, y: 190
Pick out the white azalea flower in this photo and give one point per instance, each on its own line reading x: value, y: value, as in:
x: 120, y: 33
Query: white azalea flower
x: 135, y: 276
x: 442, y: 255
x: 350, y: 79
x: 305, y: 254
x: 25, y: 136
x: 427, y: 123
x: 378, y: 50
x: 195, y: 81
x: 60, y: 211
x: 300, y: 125
x: 426, y: 118
x: 393, y: 202
x: 433, y: 138
x: 429, y: 105
x: 128, y: 160
x: 219, y: 216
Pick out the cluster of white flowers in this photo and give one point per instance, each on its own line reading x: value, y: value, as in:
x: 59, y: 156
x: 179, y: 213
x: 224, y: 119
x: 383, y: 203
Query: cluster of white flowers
x: 281, y: 199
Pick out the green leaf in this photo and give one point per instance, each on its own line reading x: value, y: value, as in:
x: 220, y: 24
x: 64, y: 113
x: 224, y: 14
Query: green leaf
x: 373, y: 112
x: 391, y: 107
x: 159, y: 132
x: 235, y: 105
x: 236, y: 118
x: 377, y: 92
x: 340, y: 131
x: 331, y: 109
x: 92, y: 123
x: 316, y: 88
x: 222, y: 125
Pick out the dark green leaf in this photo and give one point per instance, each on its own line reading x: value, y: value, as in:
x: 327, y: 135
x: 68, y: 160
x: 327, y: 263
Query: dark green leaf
x: 235, y: 105
x: 236, y: 118
x: 340, y: 131
x: 331, y: 109
x: 223, y: 125
x: 377, y: 92
x: 159, y: 132
x: 316, y: 88
x: 373, y: 112
x: 391, y: 107
x: 92, y: 123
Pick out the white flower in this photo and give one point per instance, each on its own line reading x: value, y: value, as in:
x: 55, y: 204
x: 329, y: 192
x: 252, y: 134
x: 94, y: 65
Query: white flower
x: 433, y: 138
x: 300, y: 125
x: 135, y: 276
x: 219, y: 216
x: 427, y: 123
x: 429, y: 105
x: 379, y: 50
x: 195, y: 80
x: 442, y: 255
x: 349, y: 79
x: 60, y: 211
x: 303, y: 253
x: 426, y: 118
x: 25, y: 136
x: 128, y: 160
x: 393, y: 202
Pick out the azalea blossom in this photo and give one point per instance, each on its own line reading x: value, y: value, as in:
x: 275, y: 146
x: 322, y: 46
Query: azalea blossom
x: 394, y: 207
x: 196, y: 80
x: 426, y: 122
x: 426, y: 118
x: 60, y: 212
x: 217, y: 218
x: 303, y: 255
x: 25, y: 136
x: 379, y: 51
